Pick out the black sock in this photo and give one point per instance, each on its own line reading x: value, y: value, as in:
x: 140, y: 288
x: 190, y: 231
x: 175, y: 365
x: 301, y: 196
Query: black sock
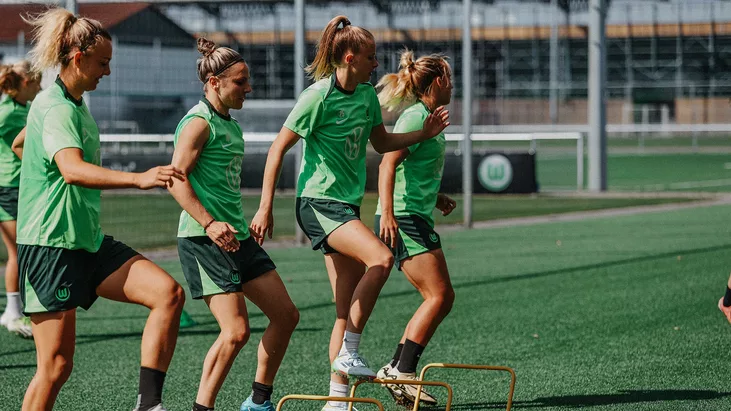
x: 151, y: 382
x: 198, y: 407
x: 261, y: 393
x: 727, y: 298
x: 410, y: 356
x: 397, y: 355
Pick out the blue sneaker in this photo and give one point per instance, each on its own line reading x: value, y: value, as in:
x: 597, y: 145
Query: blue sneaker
x: 249, y: 405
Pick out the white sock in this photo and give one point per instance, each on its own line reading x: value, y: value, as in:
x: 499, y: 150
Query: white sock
x: 13, y: 309
x: 338, y: 390
x: 351, y: 342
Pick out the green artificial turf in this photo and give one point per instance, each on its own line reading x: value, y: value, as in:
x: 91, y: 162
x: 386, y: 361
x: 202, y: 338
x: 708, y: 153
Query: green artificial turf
x: 607, y: 314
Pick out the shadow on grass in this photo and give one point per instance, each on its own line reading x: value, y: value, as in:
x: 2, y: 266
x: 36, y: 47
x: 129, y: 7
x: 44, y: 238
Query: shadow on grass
x: 581, y: 401
x: 16, y: 366
x: 94, y: 338
x: 86, y: 339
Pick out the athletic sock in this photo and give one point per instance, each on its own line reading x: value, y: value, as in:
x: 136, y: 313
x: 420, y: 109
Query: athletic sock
x: 198, y: 407
x: 338, y: 390
x: 351, y: 342
x: 261, y: 393
x: 727, y: 298
x: 410, y: 356
x: 150, y: 393
x: 396, y: 355
x: 14, y: 308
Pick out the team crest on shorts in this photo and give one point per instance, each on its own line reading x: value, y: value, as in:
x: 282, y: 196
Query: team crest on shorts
x: 63, y: 293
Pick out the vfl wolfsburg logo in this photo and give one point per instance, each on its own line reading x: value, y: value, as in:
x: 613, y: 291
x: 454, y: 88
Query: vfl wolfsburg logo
x: 233, y: 173
x: 63, y: 293
x: 495, y: 172
x: 235, y: 278
x: 352, y: 143
x: 433, y: 237
x: 349, y: 211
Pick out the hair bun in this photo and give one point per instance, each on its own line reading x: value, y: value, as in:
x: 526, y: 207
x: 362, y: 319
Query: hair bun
x: 206, y: 47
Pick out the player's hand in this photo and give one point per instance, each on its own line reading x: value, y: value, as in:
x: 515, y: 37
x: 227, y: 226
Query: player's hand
x: 436, y: 122
x: 161, y: 176
x: 262, y: 225
x: 389, y: 230
x: 223, y: 235
x: 445, y: 204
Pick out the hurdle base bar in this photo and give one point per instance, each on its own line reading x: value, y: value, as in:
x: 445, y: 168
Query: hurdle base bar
x: 470, y: 367
x: 350, y: 400
x: 420, y: 383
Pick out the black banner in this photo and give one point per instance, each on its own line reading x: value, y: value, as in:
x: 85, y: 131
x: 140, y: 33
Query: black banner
x: 493, y: 172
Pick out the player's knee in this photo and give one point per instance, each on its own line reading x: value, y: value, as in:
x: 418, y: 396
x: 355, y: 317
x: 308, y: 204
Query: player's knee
x: 292, y: 318
x: 384, y: 261
x: 57, y: 370
x: 447, y: 301
x: 175, y: 297
x: 237, y: 337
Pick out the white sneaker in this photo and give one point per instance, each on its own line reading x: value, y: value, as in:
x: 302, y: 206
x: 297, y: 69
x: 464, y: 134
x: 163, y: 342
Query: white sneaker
x: 5, y: 319
x: 352, y: 365
x: 340, y: 407
x: 21, y: 327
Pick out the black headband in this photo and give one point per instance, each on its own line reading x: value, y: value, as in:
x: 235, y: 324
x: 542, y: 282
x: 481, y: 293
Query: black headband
x: 222, y: 69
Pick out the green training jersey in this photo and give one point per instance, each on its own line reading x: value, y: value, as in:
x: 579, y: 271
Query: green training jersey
x: 335, y: 125
x: 419, y: 176
x: 54, y: 213
x: 216, y: 177
x: 13, y: 117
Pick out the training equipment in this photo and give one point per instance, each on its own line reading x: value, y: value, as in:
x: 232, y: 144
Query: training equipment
x: 421, y: 382
x: 350, y: 400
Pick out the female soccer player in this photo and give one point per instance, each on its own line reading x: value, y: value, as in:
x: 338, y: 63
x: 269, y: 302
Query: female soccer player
x: 65, y: 260
x: 20, y: 85
x: 408, y: 188
x: 336, y: 117
x: 222, y: 262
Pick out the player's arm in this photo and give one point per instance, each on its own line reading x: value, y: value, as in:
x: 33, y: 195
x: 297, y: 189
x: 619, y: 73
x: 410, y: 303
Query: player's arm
x: 188, y: 148
x: 78, y: 172
x: 383, y: 141
x: 386, y: 177
x: 263, y: 222
x: 18, y: 143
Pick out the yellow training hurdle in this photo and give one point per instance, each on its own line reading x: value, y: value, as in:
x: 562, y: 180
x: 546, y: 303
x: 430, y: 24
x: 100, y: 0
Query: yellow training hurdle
x: 350, y: 400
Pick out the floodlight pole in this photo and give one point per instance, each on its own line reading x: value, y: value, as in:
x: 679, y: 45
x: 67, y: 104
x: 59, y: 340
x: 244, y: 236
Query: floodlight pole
x: 597, y: 96
x: 467, y: 111
x: 299, y: 86
x: 72, y: 6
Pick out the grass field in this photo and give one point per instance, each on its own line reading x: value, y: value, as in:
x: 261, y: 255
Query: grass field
x: 145, y: 221
x: 613, y: 313
x: 642, y: 172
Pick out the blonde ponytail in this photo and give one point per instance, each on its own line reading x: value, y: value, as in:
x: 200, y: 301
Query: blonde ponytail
x: 57, y: 33
x: 333, y: 45
x: 413, y: 80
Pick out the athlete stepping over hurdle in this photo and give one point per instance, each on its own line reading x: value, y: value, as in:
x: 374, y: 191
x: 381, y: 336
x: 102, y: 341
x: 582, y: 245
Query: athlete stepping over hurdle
x: 336, y: 117
x: 408, y: 189
x: 222, y: 262
x: 19, y: 85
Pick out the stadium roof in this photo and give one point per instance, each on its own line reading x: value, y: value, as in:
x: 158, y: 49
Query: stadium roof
x: 112, y: 15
